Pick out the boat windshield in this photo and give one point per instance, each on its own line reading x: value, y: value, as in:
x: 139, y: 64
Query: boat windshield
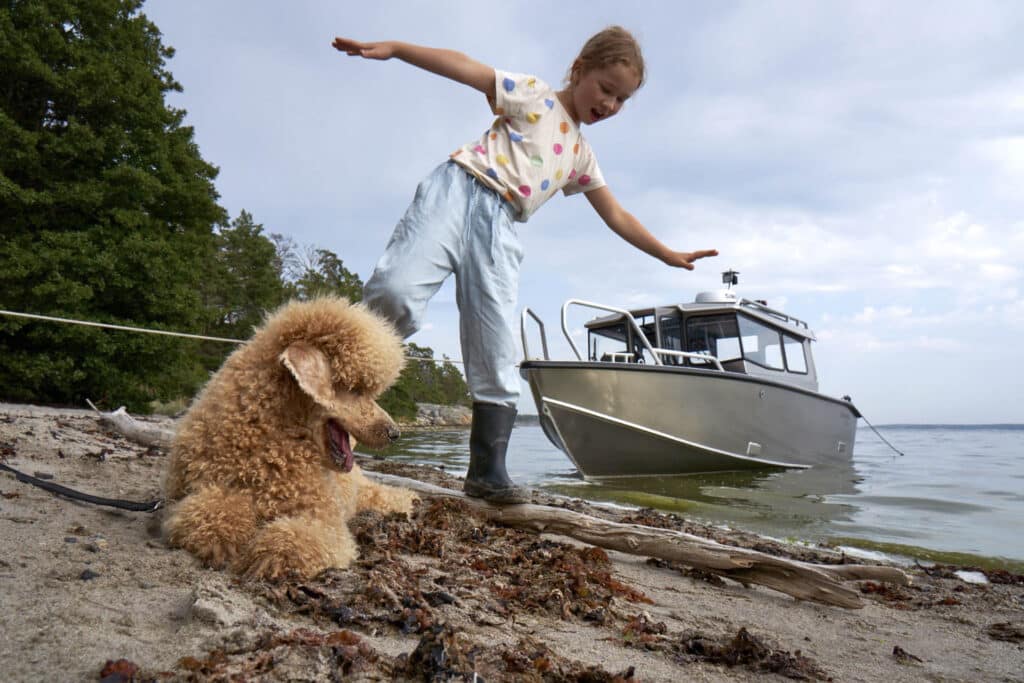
x: 730, y: 337
x: 715, y: 335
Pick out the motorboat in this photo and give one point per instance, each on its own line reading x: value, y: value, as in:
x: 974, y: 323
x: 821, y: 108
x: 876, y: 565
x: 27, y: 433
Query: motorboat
x: 719, y: 384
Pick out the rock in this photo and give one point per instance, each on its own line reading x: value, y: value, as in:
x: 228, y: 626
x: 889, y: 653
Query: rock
x: 435, y: 415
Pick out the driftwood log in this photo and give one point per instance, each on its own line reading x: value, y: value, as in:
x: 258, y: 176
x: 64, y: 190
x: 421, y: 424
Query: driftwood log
x: 136, y: 430
x: 816, y: 582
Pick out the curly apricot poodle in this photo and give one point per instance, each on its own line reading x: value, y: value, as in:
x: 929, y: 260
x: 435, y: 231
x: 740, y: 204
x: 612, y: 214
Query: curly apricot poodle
x: 261, y: 472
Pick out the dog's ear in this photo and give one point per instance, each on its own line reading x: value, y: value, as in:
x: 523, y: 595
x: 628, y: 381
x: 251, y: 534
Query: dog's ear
x: 310, y: 368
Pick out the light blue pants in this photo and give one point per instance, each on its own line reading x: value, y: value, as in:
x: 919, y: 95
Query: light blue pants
x: 457, y: 225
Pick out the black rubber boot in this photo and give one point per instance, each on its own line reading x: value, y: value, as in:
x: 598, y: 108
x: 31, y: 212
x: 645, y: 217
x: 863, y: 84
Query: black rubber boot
x: 488, y: 442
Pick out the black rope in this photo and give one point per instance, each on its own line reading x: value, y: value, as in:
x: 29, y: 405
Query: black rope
x: 898, y: 451
x: 877, y: 433
x: 150, y: 506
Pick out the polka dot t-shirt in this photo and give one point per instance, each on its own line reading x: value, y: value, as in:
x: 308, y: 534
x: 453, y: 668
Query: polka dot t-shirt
x: 532, y: 150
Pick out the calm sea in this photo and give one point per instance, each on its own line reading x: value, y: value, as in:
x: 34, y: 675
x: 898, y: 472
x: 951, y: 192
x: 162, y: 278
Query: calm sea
x: 956, y: 495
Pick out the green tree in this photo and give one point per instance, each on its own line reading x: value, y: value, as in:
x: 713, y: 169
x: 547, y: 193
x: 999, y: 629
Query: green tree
x: 106, y: 206
x: 424, y: 380
x: 317, y: 272
x: 242, y: 282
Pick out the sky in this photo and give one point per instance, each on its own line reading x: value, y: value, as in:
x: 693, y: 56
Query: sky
x: 860, y: 164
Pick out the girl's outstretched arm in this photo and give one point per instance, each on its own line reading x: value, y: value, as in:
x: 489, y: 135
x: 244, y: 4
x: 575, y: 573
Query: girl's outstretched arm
x: 630, y: 229
x: 447, y: 63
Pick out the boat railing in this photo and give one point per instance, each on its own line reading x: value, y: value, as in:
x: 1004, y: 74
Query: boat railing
x: 707, y: 358
x: 619, y: 356
x: 784, y: 317
x: 543, y: 334
x: 611, y: 309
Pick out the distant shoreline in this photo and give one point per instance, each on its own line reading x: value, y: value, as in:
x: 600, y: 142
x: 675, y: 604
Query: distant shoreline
x: 1008, y: 426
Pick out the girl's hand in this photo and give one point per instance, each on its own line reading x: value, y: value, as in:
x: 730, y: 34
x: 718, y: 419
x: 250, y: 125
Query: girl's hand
x: 685, y: 259
x: 353, y: 48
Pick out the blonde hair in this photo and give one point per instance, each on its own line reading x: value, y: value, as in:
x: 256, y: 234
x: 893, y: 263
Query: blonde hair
x: 613, y: 45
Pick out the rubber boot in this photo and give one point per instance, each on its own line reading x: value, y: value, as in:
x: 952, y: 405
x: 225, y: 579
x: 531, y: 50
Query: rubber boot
x: 488, y: 442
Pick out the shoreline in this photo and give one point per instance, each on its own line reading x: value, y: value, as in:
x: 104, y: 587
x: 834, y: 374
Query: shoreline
x: 81, y: 585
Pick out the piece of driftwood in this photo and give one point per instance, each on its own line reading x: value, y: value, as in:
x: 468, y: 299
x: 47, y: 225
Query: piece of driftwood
x: 806, y: 581
x: 816, y: 582
x: 139, y: 432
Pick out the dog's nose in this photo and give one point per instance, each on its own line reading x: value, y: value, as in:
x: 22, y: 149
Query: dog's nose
x: 393, y: 433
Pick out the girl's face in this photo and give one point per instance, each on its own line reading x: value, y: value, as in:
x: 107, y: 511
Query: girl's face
x: 599, y: 94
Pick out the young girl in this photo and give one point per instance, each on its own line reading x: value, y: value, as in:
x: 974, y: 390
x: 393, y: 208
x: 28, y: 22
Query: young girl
x: 462, y: 218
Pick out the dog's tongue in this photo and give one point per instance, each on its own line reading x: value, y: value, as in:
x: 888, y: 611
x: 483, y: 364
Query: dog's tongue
x: 341, y: 447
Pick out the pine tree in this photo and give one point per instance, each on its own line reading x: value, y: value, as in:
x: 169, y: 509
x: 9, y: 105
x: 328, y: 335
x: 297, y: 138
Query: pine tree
x: 106, y: 206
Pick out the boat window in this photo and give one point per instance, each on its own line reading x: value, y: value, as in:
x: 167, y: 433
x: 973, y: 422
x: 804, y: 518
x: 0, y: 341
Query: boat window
x: 671, y: 338
x: 716, y: 335
x: 610, y: 344
x: 796, y: 361
x: 646, y: 323
x: 761, y: 344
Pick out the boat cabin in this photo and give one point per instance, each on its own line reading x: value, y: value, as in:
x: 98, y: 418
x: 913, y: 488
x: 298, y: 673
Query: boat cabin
x: 745, y: 337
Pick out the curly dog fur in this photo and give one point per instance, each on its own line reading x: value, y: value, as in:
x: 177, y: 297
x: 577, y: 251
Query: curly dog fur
x: 261, y: 470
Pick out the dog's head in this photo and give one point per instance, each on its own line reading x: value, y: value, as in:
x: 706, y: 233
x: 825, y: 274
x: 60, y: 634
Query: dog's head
x: 342, y: 358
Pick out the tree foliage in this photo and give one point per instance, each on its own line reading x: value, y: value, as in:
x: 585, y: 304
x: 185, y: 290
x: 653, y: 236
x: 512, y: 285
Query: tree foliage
x: 108, y: 213
x: 107, y: 205
x: 424, y: 380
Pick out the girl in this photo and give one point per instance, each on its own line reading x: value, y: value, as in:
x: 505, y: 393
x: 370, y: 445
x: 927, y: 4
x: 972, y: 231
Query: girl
x: 462, y: 218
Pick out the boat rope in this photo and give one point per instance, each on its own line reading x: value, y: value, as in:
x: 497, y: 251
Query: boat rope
x: 877, y: 433
x: 168, y: 333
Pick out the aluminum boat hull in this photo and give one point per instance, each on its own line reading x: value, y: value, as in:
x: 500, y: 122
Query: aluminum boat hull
x: 630, y: 420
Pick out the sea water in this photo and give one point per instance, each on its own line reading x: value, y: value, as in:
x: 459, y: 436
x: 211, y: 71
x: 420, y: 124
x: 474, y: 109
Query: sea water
x: 956, y: 494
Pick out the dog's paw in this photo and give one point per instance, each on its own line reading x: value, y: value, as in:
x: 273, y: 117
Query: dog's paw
x: 212, y: 525
x: 384, y: 498
x: 297, y: 548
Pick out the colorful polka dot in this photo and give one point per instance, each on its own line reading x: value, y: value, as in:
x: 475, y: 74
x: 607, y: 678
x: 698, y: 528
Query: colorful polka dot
x: 532, y: 117
x: 494, y: 136
x: 557, y: 148
x: 584, y: 179
x: 532, y: 82
x: 572, y: 174
x: 515, y: 137
x: 525, y: 190
x: 558, y: 174
x: 509, y: 196
x: 536, y: 160
x: 492, y: 173
x: 508, y: 84
x: 564, y: 127
x: 479, y: 149
x: 502, y: 160
x: 576, y: 148
x: 549, y: 103
x: 544, y: 185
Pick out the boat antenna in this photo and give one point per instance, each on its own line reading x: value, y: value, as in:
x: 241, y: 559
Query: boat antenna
x: 731, y: 277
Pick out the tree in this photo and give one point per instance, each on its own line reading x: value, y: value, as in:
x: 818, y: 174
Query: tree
x: 241, y: 283
x: 423, y: 380
x: 316, y: 272
x: 107, y: 206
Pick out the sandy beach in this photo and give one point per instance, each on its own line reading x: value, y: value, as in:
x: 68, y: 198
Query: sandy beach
x: 90, y: 593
